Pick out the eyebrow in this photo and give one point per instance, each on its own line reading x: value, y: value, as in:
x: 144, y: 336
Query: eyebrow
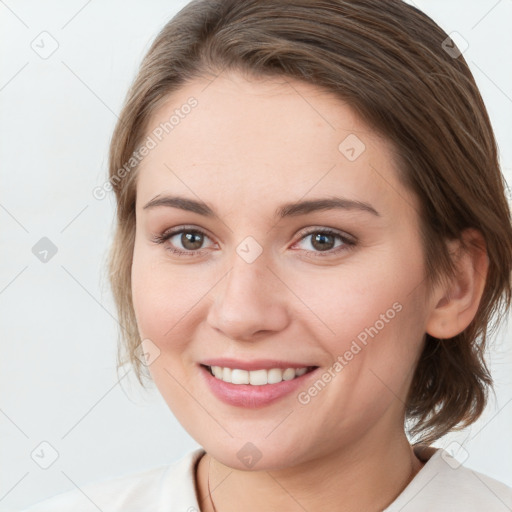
x: 286, y: 210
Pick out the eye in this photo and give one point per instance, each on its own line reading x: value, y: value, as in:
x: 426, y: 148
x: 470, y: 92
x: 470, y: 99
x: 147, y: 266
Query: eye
x: 191, y: 240
x: 323, y: 241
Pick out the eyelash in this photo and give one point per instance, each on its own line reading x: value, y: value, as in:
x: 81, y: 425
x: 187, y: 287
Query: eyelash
x: 348, y: 243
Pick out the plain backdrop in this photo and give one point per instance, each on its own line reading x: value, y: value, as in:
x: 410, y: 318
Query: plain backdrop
x: 64, y: 71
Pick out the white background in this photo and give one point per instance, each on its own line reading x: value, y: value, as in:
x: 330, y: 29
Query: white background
x: 58, y: 326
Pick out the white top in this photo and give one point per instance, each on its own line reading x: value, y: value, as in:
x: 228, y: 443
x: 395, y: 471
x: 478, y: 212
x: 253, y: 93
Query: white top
x: 441, y: 485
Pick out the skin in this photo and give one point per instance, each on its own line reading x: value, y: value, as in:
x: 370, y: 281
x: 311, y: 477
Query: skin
x: 247, y: 148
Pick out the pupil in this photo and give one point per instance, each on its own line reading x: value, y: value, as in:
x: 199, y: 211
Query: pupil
x: 320, y: 237
x: 189, y: 238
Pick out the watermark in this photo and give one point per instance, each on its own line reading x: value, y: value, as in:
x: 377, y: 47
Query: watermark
x: 44, y: 455
x: 249, y: 454
x: 455, y: 45
x: 454, y: 455
x: 147, y: 352
x: 352, y: 147
x: 304, y: 397
x: 150, y: 143
x: 44, y: 250
x: 249, y: 249
x: 44, y: 44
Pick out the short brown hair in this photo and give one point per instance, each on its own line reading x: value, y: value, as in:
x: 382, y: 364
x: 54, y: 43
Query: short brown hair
x: 387, y: 60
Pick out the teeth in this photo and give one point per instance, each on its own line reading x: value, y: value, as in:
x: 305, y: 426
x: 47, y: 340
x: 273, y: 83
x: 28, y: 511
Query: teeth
x: 256, y: 377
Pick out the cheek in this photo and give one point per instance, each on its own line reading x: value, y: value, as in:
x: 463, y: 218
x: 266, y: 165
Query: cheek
x: 342, y: 303
x: 370, y: 315
x: 166, y: 298
x: 383, y: 347
x: 167, y: 303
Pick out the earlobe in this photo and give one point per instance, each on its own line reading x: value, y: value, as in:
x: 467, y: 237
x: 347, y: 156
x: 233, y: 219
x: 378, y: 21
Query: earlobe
x: 456, y: 302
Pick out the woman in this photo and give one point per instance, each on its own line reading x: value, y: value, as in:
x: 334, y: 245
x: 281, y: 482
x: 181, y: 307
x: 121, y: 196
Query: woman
x: 313, y: 238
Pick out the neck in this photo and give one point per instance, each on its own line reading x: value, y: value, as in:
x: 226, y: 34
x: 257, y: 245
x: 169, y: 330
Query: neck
x: 351, y: 479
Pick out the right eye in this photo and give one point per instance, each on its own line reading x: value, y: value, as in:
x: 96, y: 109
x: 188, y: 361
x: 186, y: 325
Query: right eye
x: 190, y: 238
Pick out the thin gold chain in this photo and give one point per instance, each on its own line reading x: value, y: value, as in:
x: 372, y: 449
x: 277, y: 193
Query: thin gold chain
x: 209, y: 492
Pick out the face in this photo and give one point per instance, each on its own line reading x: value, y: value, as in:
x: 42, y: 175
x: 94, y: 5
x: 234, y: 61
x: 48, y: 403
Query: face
x: 340, y: 288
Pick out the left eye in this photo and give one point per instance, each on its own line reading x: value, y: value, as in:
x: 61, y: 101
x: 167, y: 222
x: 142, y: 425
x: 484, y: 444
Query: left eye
x: 323, y: 241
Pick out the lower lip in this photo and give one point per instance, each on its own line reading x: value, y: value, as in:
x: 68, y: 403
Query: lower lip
x: 249, y: 396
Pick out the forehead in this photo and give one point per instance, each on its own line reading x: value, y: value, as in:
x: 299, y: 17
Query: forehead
x: 258, y: 142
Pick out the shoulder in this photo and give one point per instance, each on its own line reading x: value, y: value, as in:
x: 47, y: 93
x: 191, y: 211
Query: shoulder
x: 443, y: 484
x: 163, y: 488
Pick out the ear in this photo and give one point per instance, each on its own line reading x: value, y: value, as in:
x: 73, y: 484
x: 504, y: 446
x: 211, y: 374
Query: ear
x: 455, y: 303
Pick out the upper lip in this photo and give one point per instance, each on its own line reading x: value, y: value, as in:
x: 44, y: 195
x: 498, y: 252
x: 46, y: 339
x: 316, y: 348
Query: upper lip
x: 256, y: 364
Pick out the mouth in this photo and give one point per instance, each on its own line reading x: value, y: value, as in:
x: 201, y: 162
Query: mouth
x: 255, y: 388
x: 258, y: 377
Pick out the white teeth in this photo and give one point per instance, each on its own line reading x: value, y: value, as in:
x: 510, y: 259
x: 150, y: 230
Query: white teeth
x: 226, y: 374
x: 256, y: 377
x: 274, y: 376
x: 239, y: 376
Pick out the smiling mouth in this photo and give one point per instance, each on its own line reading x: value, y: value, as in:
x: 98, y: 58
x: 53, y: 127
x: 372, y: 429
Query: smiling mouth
x: 257, y: 377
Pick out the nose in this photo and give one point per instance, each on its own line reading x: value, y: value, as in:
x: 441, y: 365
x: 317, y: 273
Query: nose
x: 249, y: 303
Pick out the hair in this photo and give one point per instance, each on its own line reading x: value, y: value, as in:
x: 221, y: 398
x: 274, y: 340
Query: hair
x: 389, y: 62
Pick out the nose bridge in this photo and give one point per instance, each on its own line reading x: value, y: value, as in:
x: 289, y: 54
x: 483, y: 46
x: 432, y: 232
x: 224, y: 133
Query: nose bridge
x: 248, y: 267
x: 248, y: 283
x: 251, y: 275
x: 248, y: 301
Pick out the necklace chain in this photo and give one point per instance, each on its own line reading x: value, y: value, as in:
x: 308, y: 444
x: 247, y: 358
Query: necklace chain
x: 209, y: 492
